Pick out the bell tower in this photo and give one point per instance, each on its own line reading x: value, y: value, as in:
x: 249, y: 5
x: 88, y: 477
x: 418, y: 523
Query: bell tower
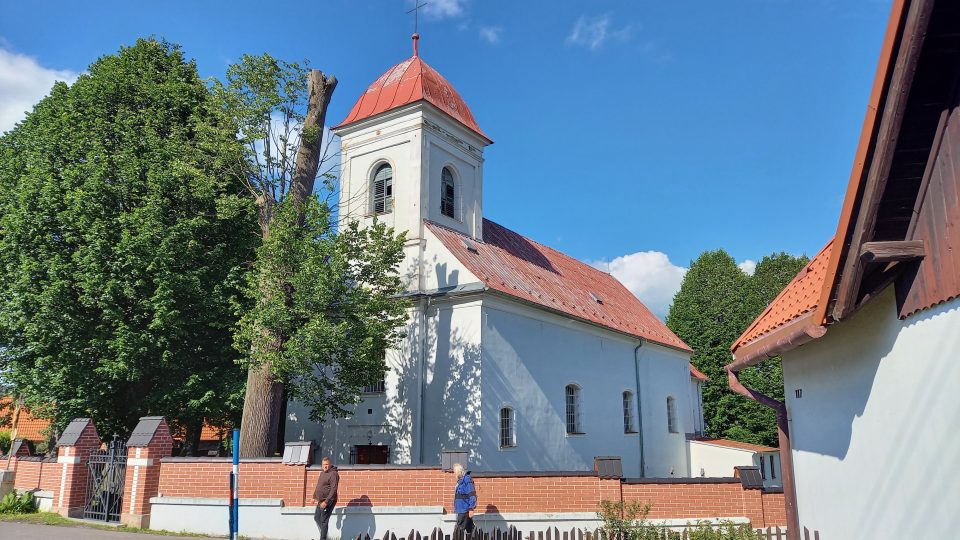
x: 411, y: 151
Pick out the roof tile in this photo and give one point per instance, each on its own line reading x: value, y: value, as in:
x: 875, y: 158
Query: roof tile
x: 800, y: 296
x: 515, y: 265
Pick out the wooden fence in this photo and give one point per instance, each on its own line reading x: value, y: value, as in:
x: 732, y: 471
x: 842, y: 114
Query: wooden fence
x: 770, y: 533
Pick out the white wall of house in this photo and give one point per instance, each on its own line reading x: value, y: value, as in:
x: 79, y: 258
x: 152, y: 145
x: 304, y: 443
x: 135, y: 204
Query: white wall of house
x: 695, y: 407
x: 713, y: 460
x: 874, y: 432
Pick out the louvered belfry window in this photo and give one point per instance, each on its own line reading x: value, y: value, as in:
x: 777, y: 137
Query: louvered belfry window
x: 383, y: 190
x: 448, y: 193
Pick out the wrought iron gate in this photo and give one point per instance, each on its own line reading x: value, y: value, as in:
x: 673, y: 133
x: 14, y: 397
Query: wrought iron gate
x: 105, y: 482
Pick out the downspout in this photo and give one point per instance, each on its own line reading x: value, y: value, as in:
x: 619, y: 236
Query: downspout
x: 786, y: 456
x: 422, y: 374
x: 636, y: 366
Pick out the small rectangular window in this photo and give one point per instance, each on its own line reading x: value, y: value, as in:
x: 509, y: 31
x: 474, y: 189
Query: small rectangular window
x: 628, y: 413
x: 672, y: 415
x: 507, y: 439
x: 763, y: 470
x: 773, y: 471
x: 573, y: 410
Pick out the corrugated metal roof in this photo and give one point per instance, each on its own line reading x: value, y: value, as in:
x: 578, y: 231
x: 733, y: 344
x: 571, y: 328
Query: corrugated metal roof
x: 407, y: 82
x: 800, y: 296
x: 515, y: 265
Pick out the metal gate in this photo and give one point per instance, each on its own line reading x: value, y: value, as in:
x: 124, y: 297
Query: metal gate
x: 107, y: 468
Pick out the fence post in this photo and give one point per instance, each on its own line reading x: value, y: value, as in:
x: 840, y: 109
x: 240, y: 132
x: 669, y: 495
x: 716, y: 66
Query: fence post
x: 151, y: 440
x: 76, y: 443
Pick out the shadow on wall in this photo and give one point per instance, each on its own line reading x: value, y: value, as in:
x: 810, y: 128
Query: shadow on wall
x: 356, y: 518
x: 491, y: 519
x: 451, y: 389
x: 851, y: 354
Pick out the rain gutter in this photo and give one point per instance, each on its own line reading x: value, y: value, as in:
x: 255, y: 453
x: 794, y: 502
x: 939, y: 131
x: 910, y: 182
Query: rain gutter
x: 786, y: 456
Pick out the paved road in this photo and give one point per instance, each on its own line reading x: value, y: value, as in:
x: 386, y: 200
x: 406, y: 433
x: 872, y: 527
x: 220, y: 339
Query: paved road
x: 26, y: 531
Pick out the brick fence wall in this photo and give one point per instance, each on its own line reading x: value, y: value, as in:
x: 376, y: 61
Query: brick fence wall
x: 497, y: 492
x: 388, y: 486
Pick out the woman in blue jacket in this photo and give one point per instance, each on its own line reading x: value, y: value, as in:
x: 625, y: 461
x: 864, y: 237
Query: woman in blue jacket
x: 464, y: 502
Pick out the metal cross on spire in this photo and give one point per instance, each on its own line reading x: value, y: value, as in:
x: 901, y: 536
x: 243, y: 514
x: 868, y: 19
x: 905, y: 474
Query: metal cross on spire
x: 416, y: 23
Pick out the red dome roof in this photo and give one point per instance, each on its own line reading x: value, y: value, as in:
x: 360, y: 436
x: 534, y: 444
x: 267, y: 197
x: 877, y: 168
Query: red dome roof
x: 409, y: 82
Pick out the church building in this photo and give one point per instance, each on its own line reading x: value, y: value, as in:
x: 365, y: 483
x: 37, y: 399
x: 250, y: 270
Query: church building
x: 525, y: 358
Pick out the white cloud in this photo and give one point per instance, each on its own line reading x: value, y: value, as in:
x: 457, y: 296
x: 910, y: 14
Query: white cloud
x: 649, y: 275
x: 491, y: 34
x: 593, y: 32
x: 441, y: 9
x: 23, y: 82
x: 748, y: 266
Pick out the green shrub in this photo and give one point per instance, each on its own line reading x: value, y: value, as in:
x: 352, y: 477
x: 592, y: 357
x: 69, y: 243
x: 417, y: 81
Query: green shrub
x: 4, y: 442
x: 24, y: 504
x: 628, y: 521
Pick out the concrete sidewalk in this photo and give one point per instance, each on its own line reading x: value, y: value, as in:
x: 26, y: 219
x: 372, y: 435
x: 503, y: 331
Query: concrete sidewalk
x: 29, y: 531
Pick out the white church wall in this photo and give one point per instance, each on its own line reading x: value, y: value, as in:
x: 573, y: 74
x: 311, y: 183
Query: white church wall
x: 695, y: 407
x: 452, y: 381
x: 530, y: 356
x: 444, y: 149
x: 440, y: 267
x: 877, y: 412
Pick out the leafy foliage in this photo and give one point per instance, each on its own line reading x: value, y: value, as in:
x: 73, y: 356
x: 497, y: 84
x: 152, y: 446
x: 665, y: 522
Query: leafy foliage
x: 5, y: 442
x: 332, y: 298
x: 627, y: 520
x: 22, y: 504
x: 715, y: 304
x: 323, y: 297
x: 122, y: 242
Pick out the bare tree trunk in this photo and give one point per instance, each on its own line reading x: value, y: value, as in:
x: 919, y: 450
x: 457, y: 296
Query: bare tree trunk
x: 263, y: 400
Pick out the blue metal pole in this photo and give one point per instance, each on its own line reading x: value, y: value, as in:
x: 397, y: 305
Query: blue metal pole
x: 235, y: 496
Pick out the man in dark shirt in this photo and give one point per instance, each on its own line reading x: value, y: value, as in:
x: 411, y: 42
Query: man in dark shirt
x: 325, y: 495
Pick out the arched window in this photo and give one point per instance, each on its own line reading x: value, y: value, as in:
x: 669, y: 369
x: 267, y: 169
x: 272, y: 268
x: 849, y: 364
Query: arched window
x: 672, y: 415
x: 573, y: 409
x: 382, y: 190
x: 628, y: 413
x: 507, y: 437
x: 448, y: 193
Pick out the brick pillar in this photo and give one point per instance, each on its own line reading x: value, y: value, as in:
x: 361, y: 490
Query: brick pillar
x: 151, y: 441
x: 73, y: 451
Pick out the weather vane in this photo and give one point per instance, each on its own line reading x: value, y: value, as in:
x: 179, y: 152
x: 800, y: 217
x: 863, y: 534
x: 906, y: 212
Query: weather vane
x: 416, y: 15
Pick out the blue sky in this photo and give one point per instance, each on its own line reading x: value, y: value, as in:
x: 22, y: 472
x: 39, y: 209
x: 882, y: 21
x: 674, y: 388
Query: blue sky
x: 638, y: 133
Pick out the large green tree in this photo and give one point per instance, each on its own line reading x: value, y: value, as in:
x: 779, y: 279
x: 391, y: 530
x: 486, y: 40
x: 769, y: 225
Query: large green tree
x: 323, y: 298
x: 715, y: 304
x: 122, y: 243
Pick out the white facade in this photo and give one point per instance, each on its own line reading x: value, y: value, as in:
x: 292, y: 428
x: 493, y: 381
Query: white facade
x: 470, y: 353
x: 719, y: 460
x: 875, y: 418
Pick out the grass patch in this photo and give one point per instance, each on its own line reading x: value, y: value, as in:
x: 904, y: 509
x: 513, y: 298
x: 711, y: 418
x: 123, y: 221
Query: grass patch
x: 49, y: 518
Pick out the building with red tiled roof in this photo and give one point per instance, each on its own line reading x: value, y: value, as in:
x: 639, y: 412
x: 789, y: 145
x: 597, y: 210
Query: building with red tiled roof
x: 869, y: 332
x: 22, y: 424
x: 516, y: 353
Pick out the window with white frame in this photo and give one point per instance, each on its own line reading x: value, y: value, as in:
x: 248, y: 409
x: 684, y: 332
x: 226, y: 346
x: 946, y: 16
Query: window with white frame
x: 628, y: 426
x: 382, y: 190
x: 573, y: 409
x: 448, y: 194
x: 507, y: 421
x: 672, y: 415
